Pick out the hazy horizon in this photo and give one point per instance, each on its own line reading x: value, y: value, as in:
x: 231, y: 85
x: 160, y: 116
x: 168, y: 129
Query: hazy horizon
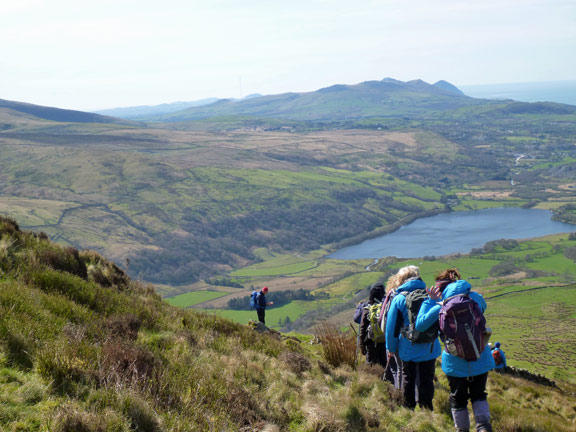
x: 109, y: 54
x: 544, y: 91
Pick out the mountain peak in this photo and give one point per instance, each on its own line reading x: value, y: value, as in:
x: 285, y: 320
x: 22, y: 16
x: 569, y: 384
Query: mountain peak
x: 445, y: 85
x: 391, y: 80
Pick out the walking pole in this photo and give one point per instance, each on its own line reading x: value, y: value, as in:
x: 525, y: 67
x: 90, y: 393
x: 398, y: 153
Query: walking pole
x: 357, y: 345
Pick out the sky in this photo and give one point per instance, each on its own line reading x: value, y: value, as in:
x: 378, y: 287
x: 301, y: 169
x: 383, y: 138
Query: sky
x: 97, y: 54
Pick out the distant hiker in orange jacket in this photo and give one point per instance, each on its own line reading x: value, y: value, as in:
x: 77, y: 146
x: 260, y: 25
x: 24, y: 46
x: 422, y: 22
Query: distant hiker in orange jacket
x: 499, y: 358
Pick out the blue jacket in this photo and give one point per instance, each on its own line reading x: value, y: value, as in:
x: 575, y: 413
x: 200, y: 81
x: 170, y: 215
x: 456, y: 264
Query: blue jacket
x: 503, y: 357
x: 451, y: 364
x: 260, y: 301
x: 407, y: 350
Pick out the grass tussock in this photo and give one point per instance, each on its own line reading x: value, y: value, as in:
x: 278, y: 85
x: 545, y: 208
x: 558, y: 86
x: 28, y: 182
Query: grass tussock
x: 338, y: 347
x: 97, y: 352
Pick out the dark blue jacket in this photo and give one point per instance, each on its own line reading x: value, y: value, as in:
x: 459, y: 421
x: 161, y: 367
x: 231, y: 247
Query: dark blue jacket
x: 451, y: 364
x: 260, y: 300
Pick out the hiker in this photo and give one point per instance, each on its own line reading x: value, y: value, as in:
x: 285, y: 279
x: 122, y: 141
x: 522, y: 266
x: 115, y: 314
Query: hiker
x: 466, y: 376
x: 393, y: 373
x: 418, y: 358
x: 499, y: 358
x: 259, y: 300
x: 371, y: 347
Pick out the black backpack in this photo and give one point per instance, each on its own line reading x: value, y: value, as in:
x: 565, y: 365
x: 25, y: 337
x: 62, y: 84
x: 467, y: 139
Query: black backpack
x: 414, y: 301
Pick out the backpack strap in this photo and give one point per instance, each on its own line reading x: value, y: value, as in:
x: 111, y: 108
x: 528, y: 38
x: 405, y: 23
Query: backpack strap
x: 454, y: 296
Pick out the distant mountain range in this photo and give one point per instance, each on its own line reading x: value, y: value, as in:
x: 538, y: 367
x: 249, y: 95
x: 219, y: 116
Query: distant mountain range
x: 367, y: 99
x: 388, y: 98
x: 144, y: 111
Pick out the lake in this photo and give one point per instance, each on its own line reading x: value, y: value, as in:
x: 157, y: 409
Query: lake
x: 456, y: 232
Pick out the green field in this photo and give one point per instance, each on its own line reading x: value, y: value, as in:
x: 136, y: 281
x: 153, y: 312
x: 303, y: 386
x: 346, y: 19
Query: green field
x: 288, y: 269
x: 275, y: 316
x: 33, y: 212
x: 194, y: 297
x: 536, y: 330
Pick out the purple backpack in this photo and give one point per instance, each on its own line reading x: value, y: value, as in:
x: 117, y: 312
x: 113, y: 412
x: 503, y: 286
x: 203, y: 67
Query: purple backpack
x: 463, y: 327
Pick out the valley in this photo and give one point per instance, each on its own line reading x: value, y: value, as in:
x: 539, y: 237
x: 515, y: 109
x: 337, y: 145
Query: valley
x: 265, y: 199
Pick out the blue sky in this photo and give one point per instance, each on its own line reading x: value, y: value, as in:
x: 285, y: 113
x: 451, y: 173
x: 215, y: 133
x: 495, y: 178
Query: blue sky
x: 97, y: 54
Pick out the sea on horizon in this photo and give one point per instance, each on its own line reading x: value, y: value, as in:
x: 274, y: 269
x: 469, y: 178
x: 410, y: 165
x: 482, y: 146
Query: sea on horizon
x: 546, y: 91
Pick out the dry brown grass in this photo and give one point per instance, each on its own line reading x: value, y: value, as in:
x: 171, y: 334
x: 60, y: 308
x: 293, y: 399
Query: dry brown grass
x: 70, y: 418
x: 126, y: 365
x: 123, y: 326
x: 296, y: 362
x: 337, y: 347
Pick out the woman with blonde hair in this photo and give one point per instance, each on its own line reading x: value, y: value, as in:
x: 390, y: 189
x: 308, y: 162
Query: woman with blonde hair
x: 393, y: 368
x: 402, y: 276
x: 418, y: 358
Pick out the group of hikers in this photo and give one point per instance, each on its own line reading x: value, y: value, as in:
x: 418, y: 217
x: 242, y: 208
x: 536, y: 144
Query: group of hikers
x: 400, y: 328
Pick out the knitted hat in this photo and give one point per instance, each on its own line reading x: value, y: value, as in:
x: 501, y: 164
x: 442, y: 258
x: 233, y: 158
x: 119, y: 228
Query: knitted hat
x: 377, y: 293
x: 265, y: 290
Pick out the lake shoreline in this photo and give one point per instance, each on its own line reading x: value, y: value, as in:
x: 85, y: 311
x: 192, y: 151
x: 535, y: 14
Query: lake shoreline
x: 431, y: 235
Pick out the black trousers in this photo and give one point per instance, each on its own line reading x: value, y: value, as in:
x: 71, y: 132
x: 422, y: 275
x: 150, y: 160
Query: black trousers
x: 464, y: 389
x: 393, y: 372
x: 418, y: 377
x: 261, y: 315
x: 375, y: 353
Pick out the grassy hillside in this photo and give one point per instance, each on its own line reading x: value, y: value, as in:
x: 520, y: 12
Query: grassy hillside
x: 84, y: 348
x: 55, y: 114
x: 138, y: 193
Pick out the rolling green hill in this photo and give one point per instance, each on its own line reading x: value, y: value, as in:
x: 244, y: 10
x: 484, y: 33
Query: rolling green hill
x: 84, y: 348
x: 388, y: 97
x: 56, y: 114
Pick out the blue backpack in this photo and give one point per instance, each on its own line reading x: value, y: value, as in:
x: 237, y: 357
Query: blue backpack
x: 358, y: 312
x: 253, y: 301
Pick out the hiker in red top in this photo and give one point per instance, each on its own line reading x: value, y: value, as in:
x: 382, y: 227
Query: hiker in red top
x: 261, y: 304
